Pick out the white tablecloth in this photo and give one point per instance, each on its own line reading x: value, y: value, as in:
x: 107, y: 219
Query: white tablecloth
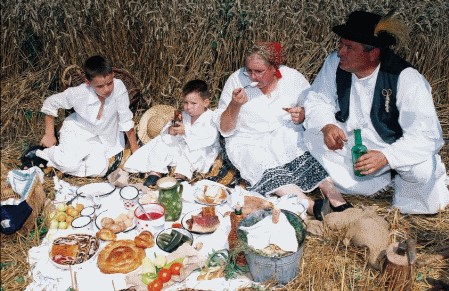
x: 47, y: 276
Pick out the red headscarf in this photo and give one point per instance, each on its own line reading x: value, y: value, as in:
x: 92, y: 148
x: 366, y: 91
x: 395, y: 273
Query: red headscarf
x: 275, y: 55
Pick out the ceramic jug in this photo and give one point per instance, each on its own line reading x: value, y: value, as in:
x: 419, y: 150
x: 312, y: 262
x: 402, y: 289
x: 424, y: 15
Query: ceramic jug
x: 170, y: 196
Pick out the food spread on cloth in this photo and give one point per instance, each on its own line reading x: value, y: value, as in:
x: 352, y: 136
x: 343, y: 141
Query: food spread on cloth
x: 122, y: 249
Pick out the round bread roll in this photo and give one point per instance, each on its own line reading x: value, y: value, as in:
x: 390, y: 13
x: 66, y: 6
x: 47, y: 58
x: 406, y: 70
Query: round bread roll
x: 144, y: 240
x: 106, y: 234
x: 106, y: 222
x: 120, y: 256
x: 116, y: 228
x: 122, y: 225
x: 121, y: 217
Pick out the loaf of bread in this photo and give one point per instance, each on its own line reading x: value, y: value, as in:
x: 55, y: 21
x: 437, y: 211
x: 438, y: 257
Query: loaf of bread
x: 120, y: 256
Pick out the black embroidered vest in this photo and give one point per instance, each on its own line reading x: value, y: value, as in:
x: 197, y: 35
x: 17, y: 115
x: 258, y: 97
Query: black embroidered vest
x: 384, y: 113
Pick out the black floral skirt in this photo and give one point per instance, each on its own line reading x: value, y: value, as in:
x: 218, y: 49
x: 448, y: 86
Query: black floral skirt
x: 304, y: 171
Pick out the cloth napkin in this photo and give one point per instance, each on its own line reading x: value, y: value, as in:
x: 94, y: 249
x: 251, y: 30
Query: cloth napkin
x: 22, y: 182
x: 265, y: 232
x: 293, y: 204
x: 63, y: 190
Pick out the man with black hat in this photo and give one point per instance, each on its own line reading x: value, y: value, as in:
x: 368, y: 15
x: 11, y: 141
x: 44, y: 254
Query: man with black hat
x: 364, y: 85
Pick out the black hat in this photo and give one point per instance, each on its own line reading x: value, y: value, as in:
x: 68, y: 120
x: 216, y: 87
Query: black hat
x: 360, y: 27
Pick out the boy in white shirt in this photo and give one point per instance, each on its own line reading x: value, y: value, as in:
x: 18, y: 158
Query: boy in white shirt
x: 190, y: 145
x: 94, y: 132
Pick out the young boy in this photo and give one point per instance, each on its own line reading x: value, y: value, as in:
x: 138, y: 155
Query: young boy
x: 94, y: 132
x: 190, y: 145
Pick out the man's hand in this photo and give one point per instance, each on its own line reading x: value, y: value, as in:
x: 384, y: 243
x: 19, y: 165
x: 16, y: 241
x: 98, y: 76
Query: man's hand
x: 298, y: 114
x: 371, y: 162
x: 48, y: 140
x: 334, y: 137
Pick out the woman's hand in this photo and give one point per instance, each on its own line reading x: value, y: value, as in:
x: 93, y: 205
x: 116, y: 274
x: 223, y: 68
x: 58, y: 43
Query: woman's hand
x: 239, y: 96
x: 48, y: 140
x: 228, y: 119
x: 334, y: 137
x: 297, y: 113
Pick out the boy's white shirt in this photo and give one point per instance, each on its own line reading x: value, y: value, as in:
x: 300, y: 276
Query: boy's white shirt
x: 196, y: 150
x: 116, y: 117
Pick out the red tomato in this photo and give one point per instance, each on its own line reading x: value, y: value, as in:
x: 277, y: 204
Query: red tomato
x: 175, y: 268
x: 156, y: 285
x: 164, y: 275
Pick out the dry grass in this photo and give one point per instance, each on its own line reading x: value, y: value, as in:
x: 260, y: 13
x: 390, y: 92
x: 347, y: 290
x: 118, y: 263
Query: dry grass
x: 166, y: 43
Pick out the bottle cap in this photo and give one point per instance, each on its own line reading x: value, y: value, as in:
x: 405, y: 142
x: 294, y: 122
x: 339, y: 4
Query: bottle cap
x: 238, y: 209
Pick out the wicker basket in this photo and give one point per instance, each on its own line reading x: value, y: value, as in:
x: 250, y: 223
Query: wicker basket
x: 35, y: 199
x: 73, y: 76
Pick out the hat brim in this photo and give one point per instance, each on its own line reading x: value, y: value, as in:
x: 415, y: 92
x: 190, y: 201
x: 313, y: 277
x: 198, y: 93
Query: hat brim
x: 345, y: 32
x: 157, y: 110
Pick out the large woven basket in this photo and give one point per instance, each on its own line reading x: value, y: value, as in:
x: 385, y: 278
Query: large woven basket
x: 35, y: 199
x: 73, y: 76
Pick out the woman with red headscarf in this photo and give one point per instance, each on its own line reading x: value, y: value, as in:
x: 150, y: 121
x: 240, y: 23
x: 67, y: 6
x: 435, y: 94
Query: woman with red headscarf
x: 260, y: 114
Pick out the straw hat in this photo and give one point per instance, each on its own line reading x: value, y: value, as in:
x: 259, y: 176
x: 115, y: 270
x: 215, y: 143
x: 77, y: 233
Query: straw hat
x: 153, y: 120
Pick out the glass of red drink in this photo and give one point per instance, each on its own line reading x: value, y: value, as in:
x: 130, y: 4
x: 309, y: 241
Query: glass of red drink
x: 151, y: 217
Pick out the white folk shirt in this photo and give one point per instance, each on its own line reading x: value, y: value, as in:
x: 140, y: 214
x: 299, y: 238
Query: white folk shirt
x: 265, y: 136
x: 85, y: 143
x: 116, y: 118
x: 422, y: 133
x: 196, y: 150
x: 420, y: 186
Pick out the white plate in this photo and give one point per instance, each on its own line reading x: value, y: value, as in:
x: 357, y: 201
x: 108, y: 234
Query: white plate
x: 66, y: 266
x: 113, y: 214
x: 196, y: 212
x: 198, y: 189
x: 87, y: 211
x: 95, y: 189
x: 81, y: 221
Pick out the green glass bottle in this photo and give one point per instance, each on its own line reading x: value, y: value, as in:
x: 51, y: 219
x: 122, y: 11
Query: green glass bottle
x: 358, y: 150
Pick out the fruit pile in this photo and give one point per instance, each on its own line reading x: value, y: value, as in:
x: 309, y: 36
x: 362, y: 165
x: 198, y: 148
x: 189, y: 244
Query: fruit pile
x: 156, y: 273
x: 63, y: 215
